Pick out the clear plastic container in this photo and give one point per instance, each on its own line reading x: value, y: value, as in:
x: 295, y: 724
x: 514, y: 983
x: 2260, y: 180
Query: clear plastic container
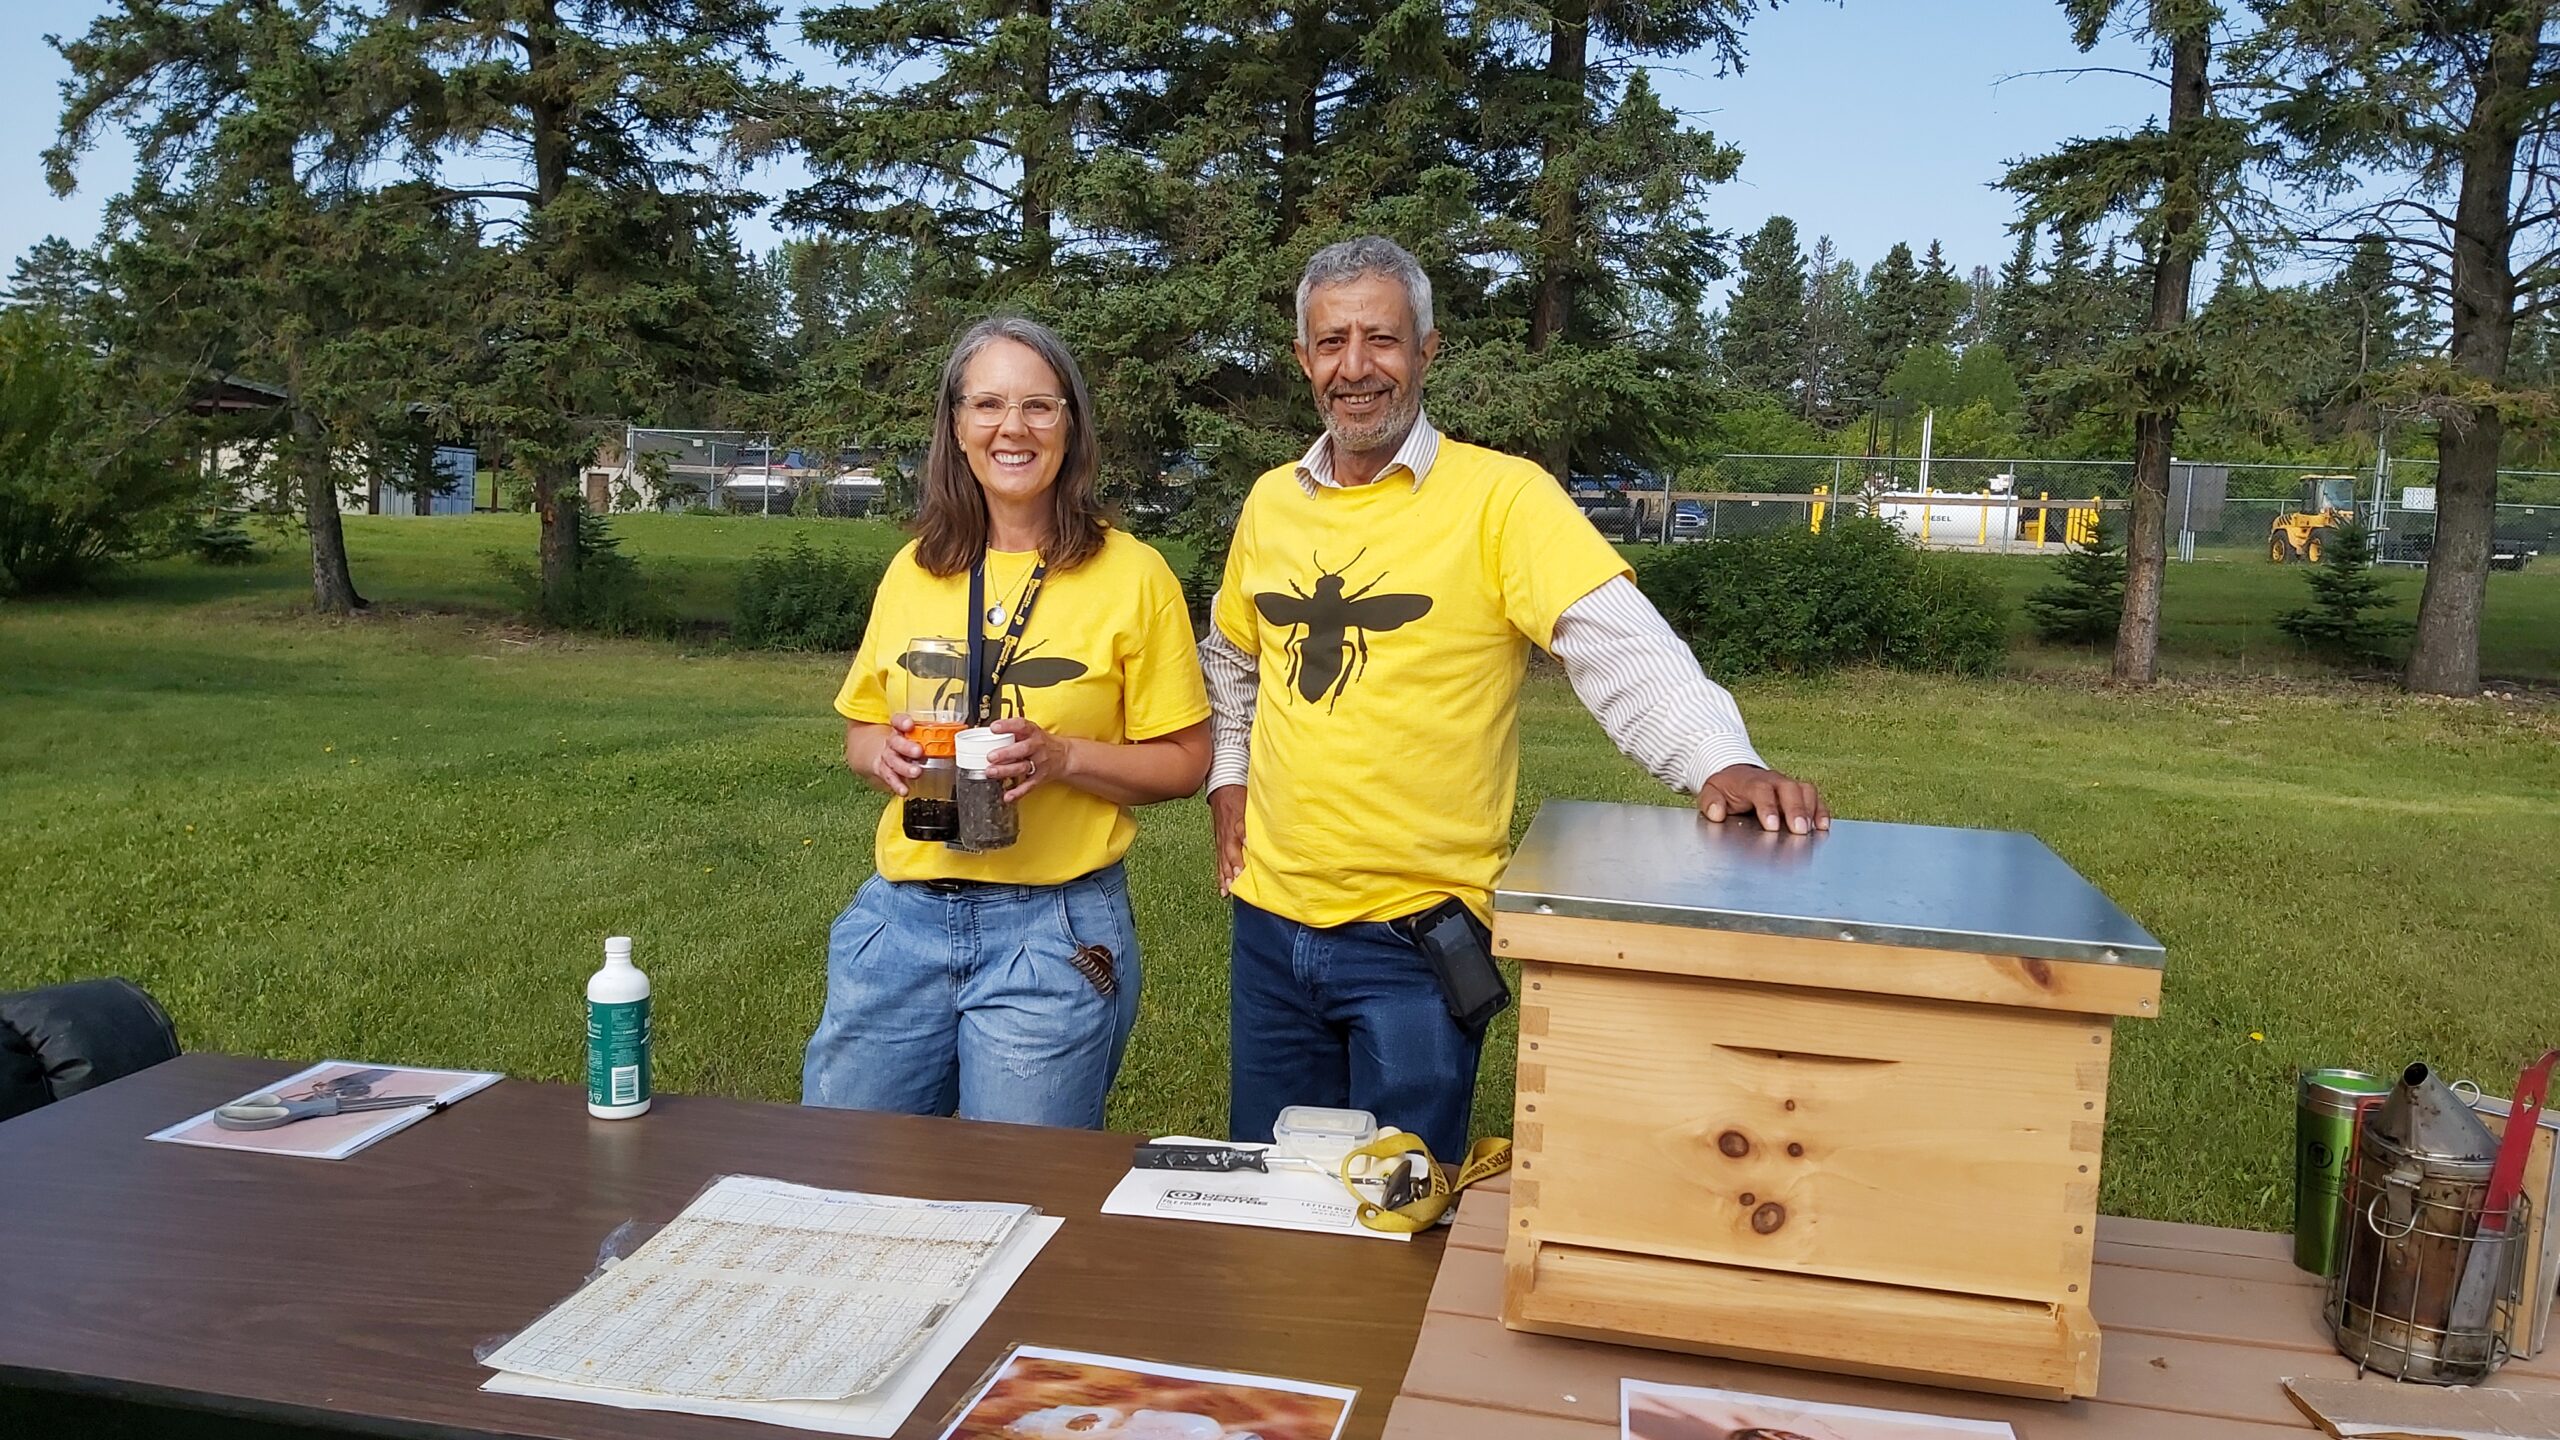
x: 1322, y: 1136
x: 987, y: 822
x: 937, y: 678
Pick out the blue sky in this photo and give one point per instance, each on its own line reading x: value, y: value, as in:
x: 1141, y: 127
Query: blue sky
x: 1869, y: 121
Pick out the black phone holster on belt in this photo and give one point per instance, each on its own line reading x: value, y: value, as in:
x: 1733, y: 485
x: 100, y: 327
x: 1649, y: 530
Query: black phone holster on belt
x: 1460, y: 950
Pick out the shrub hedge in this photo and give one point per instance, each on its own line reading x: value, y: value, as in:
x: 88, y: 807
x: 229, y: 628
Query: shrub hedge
x: 1795, y: 602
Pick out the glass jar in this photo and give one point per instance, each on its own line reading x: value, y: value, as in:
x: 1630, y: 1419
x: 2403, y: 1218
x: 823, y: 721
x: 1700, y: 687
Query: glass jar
x: 986, y: 821
x: 937, y: 679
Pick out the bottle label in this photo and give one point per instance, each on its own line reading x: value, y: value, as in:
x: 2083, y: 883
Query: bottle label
x: 617, y: 1053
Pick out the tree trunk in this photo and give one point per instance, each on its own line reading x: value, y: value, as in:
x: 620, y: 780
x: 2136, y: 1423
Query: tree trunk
x: 556, y: 500
x: 1560, y: 208
x: 1303, y: 59
x: 2155, y: 427
x: 1038, y: 142
x: 333, y: 588
x: 2146, y: 549
x: 555, y: 497
x: 2446, y: 657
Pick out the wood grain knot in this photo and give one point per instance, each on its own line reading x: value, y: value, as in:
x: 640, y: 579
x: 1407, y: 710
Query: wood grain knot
x: 1734, y: 1144
x: 2040, y: 972
x: 1768, y: 1218
x: 1795, y: 1152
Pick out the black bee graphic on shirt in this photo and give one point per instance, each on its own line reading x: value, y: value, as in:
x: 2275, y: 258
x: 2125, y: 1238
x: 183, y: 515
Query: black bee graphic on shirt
x: 1334, y: 650
x: 1027, y: 672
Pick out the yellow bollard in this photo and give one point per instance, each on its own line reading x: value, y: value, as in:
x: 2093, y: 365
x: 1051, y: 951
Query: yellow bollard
x: 1924, y: 515
x: 2041, y: 512
x: 1817, y: 507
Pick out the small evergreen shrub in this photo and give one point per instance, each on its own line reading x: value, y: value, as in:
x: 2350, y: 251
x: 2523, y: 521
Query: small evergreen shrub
x: 798, y: 597
x: 607, y: 595
x: 2341, y: 623
x: 2085, y: 604
x: 223, y: 541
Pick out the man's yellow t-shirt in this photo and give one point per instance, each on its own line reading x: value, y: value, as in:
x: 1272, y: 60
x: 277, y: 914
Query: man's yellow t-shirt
x: 1391, y: 624
x: 1107, y: 655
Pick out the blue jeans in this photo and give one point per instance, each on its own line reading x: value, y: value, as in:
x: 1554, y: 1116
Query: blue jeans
x: 961, y: 999
x: 1350, y: 1015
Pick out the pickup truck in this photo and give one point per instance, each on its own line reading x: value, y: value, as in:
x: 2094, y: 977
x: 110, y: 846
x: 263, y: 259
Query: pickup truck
x: 1612, y: 511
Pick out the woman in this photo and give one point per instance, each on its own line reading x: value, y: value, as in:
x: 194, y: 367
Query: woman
x: 1001, y: 984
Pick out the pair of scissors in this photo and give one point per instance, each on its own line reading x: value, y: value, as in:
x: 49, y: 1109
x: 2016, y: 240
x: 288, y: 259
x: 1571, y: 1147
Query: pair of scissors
x: 267, y: 1111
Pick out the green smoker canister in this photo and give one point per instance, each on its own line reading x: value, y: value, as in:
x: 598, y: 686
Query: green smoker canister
x: 2324, y: 1134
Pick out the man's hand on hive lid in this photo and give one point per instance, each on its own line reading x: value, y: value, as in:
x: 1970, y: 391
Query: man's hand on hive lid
x: 1780, y: 803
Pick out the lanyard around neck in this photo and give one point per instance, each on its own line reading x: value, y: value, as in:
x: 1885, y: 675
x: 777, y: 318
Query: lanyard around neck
x: 986, y: 681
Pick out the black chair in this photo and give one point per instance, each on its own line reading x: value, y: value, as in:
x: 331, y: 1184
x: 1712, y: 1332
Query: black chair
x: 62, y: 1039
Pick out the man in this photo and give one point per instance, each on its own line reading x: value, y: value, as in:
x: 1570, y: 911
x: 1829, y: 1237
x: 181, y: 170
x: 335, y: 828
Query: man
x: 1369, y: 640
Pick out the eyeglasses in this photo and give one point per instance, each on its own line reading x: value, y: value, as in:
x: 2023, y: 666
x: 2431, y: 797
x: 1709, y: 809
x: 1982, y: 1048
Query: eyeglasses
x: 987, y: 410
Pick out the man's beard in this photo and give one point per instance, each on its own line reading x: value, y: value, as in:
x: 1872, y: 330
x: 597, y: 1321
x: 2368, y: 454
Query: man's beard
x: 1393, y: 420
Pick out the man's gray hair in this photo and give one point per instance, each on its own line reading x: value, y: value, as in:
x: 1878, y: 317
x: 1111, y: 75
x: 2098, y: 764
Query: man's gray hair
x: 1347, y: 260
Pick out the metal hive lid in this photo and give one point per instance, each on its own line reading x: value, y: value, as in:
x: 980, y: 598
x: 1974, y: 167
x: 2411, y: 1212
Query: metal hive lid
x: 1996, y: 892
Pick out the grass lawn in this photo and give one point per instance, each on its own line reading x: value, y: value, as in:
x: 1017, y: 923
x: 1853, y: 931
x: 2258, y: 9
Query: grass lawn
x: 2218, y: 613
x: 404, y: 838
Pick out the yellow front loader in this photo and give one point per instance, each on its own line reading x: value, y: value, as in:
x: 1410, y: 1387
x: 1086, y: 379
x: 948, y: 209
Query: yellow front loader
x: 2327, y: 500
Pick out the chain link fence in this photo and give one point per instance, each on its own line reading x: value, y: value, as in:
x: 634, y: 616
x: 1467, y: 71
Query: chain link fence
x: 739, y: 471
x: 2030, y: 507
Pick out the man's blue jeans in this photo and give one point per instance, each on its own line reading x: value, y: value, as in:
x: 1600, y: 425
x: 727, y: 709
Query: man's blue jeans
x: 961, y: 1000
x: 1350, y: 1015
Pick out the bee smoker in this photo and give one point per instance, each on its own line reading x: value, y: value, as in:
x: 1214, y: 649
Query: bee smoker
x: 2424, y: 1288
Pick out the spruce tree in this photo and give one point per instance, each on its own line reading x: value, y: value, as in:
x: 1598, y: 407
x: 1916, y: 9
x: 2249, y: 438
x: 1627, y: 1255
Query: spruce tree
x: 1833, y: 347
x: 1977, y: 307
x: 2432, y: 124
x: 57, y: 278
x: 1614, y: 243
x: 2015, y: 300
x: 260, y: 237
x: 2173, y: 181
x: 2342, y: 621
x: 597, y: 305
x: 2375, y: 327
x: 2067, y: 313
x: 1763, y: 336
x: 1939, y: 303
x: 1889, y: 315
x: 2085, y: 603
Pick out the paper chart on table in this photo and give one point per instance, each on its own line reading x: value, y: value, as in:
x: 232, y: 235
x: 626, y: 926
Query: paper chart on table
x: 879, y: 1413
x: 762, y: 1290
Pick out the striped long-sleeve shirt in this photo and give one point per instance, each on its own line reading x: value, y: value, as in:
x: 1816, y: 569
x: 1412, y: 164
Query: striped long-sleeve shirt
x: 1619, y: 654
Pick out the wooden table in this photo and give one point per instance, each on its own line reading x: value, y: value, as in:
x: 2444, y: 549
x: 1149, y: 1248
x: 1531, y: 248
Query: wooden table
x: 2200, y: 1327
x: 348, y: 1295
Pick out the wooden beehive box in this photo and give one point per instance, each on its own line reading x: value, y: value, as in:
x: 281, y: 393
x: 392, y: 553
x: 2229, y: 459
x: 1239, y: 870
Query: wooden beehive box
x: 1834, y: 1101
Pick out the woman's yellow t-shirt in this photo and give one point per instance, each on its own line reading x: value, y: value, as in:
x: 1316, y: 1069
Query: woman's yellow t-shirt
x: 1107, y: 656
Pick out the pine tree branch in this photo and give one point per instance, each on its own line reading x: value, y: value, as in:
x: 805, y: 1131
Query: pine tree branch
x: 2076, y: 71
x: 504, y: 192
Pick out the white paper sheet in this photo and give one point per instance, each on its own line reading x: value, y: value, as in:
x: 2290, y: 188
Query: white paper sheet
x: 1282, y: 1199
x: 878, y: 1414
x: 762, y: 1290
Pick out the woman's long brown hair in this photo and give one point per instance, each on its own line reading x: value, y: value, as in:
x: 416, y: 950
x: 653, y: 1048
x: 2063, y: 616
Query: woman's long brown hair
x: 951, y: 524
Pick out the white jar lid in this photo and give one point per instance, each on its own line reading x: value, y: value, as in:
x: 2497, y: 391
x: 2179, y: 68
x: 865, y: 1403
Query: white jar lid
x: 976, y: 749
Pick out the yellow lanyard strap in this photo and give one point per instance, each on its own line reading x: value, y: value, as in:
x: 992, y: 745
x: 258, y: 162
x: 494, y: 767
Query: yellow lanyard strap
x: 1490, y: 1157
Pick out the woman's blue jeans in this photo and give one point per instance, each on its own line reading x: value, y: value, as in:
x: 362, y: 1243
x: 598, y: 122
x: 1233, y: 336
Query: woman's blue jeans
x: 959, y: 998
